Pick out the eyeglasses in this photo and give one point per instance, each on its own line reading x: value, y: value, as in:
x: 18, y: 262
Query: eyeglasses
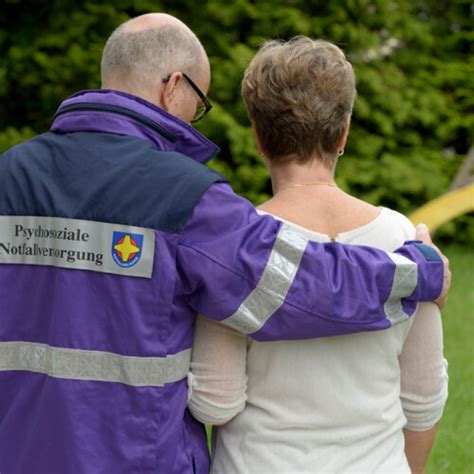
x: 204, y: 106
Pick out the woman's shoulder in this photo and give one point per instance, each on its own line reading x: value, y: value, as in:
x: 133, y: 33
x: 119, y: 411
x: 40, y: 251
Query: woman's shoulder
x: 381, y: 216
x: 395, y: 219
x: 348, y: 220
x: 388, y: 231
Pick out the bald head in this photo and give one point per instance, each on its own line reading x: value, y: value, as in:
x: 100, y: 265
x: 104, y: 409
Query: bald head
x: 145, y: 49
x: 153, y: 20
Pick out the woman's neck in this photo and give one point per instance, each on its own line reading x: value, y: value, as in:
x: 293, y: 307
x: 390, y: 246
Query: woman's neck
x: 292, y: 174
x: 306, y: 194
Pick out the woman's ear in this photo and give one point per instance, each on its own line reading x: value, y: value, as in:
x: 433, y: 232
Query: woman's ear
x: 342, y: 141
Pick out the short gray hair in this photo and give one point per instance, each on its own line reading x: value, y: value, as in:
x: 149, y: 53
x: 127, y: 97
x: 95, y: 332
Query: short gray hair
x: 136, y: 59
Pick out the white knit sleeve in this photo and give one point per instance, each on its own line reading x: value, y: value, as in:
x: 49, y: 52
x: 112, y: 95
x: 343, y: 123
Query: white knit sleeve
x: 217, y: 381
x: 424, y: 377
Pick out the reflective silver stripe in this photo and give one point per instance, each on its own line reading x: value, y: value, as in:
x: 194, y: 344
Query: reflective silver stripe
x: 405, y: 280
x: 100, y: 366
x: 274, y: 283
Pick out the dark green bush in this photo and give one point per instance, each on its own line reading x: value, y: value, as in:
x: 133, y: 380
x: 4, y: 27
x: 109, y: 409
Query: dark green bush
x: 412, y: 122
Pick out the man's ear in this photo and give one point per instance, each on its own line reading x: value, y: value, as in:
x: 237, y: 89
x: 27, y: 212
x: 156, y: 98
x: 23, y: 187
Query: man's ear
x: 168, y: 91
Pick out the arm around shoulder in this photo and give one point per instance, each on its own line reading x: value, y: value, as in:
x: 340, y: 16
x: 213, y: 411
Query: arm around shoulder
x: 260, y: 277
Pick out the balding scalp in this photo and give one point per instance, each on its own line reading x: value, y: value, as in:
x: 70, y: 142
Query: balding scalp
x: 136, y: 59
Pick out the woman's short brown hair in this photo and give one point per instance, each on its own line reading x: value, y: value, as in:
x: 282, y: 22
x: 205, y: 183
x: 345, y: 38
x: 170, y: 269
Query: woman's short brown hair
x: 298, y: 95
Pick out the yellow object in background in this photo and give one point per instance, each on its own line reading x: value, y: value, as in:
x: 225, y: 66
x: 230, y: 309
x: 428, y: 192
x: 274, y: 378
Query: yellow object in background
x: 445, y: 208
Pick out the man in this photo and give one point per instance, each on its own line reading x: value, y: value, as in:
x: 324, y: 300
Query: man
x: 120, y: 236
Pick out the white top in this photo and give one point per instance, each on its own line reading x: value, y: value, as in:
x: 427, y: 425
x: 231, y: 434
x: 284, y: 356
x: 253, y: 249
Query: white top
x: 327, y: 405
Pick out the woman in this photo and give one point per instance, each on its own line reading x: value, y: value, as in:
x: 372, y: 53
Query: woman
x: 359, y: 403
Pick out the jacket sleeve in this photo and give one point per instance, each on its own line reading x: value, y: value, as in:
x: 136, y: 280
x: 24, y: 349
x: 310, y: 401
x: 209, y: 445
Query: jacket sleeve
x: 258, y: 276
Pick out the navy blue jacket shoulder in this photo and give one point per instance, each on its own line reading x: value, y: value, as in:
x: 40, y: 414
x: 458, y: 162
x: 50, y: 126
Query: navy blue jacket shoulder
x: 102, y: 177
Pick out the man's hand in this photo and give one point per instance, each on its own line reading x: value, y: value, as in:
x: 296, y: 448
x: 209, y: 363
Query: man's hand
x: 422, y: 233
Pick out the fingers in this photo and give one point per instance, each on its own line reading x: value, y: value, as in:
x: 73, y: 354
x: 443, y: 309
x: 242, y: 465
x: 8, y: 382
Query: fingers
x: 443, y: 297
x: 423, y: 234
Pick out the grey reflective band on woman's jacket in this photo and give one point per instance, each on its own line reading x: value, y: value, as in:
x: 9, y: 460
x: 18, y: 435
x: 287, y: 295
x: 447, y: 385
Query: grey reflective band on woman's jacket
x: 79, y: 364
x: 274, y: 284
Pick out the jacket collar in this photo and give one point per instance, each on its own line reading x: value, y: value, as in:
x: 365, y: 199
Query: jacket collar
x: 112, y: 111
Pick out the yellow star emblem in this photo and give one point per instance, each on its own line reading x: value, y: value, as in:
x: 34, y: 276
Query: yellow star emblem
x: 126, y: 248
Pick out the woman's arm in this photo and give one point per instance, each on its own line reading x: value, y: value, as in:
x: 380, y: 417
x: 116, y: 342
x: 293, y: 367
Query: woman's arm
x: 217, y: 381
x: 418, y: 446
x: 424, y: 384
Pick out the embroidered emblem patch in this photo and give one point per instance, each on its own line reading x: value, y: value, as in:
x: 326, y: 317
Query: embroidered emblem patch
x: 126, y: 248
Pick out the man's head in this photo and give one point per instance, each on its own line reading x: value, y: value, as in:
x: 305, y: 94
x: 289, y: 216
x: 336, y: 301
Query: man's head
x: 148, y: 55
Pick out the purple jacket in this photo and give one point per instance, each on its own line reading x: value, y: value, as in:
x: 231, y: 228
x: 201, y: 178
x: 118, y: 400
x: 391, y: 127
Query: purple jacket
x: 113, y: 235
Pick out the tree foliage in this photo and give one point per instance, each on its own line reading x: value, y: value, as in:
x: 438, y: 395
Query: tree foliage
x: 413, y: 120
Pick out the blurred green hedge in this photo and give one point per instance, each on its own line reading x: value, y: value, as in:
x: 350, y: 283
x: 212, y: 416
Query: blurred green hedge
x: 413, y: 119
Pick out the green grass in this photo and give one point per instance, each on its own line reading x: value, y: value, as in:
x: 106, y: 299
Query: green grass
x: 453, y: 452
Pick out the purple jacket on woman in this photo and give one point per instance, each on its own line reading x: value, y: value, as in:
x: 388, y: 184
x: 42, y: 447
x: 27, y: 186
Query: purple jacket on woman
x: 113, y: 235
